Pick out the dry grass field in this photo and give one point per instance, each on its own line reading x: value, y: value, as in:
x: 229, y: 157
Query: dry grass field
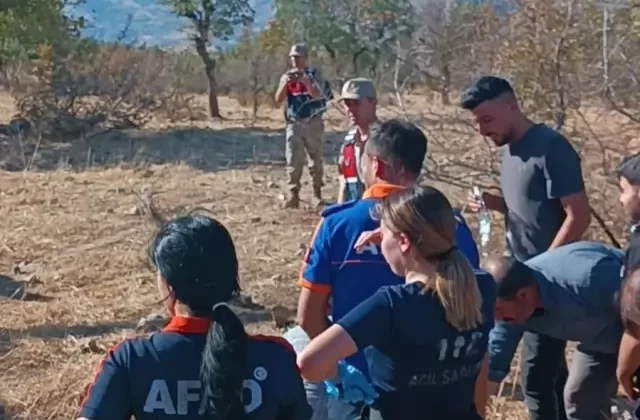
x: 73, y: 233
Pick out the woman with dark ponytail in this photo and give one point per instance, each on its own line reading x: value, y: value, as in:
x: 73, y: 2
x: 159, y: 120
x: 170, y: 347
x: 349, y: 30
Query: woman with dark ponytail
x: 203, y: 365
x: 425, y: 340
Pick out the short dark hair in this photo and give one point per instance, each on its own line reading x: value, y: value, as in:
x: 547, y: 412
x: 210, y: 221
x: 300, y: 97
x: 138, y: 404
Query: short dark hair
x: 484, y: 89
x: 399, y: 142
x: 629, y: 168
x: 511, y: 275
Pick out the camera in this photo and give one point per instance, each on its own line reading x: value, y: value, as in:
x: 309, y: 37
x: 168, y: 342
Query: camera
x: 294, y: 74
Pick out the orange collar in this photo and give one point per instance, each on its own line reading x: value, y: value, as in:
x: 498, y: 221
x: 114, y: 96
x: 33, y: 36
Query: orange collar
x: 188, y: 325
x: 381, y: 190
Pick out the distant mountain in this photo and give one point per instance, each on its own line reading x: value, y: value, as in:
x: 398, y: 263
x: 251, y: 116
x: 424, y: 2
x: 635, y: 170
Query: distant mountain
x: 151, y: 22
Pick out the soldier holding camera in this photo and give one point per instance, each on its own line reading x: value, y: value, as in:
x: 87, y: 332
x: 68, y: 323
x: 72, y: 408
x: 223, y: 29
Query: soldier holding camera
x: 306, y: 94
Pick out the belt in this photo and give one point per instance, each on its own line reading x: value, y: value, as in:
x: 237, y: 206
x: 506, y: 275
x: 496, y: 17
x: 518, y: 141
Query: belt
x: 351, y: 179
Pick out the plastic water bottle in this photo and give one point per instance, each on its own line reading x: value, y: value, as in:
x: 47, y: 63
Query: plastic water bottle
x: 484, y: 219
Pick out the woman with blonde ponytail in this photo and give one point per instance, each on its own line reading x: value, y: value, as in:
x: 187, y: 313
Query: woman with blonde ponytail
x: 425, y: 340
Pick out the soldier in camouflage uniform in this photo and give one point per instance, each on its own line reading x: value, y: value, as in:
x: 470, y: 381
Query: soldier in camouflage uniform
x: 306, y: 94
x: 359, y: 97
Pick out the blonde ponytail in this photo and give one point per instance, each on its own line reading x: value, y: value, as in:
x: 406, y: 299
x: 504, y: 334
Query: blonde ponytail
x: 456, y: 286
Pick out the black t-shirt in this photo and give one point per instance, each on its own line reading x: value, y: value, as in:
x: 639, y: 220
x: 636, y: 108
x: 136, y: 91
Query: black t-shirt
x: 632, y: 255
x: 422, y: 367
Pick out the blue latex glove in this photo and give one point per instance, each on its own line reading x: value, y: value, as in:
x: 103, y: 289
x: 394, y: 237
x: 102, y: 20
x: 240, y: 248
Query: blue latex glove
x: 352, y: 386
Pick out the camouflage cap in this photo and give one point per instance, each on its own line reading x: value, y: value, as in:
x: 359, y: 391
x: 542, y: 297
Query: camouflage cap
x: 359, y: 88
x: 298, y: 50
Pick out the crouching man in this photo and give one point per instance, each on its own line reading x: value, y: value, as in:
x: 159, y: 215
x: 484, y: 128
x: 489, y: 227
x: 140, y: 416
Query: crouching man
x: 567, y: 293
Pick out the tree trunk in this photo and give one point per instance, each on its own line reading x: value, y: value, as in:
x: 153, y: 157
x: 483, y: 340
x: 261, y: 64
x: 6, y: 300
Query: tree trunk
x: 354, y: 60
x: 446, y: 85
x: 210, y: 70
x: 214, y: 108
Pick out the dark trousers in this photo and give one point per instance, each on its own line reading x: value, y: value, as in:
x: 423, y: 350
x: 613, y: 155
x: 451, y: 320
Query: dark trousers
x: 543, y: 376
x: 553, y: 392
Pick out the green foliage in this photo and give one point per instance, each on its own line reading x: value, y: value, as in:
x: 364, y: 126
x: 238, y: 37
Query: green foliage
x: 26, y: 25
x: 355, y: 30
x: 213, y: 18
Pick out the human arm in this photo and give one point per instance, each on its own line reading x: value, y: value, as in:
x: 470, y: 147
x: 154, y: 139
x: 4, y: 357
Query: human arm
x: 492, y: 202
x: 314, y: 85
x: 108, y: 395
x: 481, y: 394
x: 281, y: 92
x: 312, y: 308
x: 368, y: 324
x: 341, y: 181
x: 503, y: 343
x: 315, y: 281
x: 563, y: 175
x: 341, y: 187
x: 628, y: 364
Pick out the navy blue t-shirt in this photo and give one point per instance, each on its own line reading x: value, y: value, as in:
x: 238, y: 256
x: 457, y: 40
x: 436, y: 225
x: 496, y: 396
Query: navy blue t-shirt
x: 422, y: 367
x: 158, y: 378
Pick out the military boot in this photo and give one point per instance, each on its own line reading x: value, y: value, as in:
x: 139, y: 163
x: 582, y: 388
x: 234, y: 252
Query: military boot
x: 293, y: 201
x: 317, y: 197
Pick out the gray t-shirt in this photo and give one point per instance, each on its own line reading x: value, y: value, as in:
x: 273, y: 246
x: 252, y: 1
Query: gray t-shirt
x: 578, y: 285
x: 536, y: 171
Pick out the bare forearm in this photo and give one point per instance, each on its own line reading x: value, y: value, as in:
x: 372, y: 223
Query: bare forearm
x: 341, y: 191
x: 314, y: 325
x: 628, y: 355
x: 314, y: 91
x: 500, y: 205
x: 281, y: 93
x: 572, y: 230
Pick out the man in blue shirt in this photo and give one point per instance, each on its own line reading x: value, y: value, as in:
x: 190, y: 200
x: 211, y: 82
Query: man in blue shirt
x: 568, y: 293
x: 392, y: 159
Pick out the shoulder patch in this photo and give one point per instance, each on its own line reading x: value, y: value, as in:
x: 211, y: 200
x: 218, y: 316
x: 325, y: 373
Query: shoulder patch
x: 336, y: 208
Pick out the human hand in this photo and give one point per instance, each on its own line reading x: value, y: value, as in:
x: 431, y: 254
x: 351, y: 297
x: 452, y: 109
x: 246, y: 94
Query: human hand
x: 305, y: 80
x: 352, y: 386
x: 491, y: 201
x: 627, y: 384
x: 369, y: 237
x: 356, y: 386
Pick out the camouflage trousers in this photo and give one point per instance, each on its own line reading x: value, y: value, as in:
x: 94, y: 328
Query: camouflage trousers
x: 305, y: 139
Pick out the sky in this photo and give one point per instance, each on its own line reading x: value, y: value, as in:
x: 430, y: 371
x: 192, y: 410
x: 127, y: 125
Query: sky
x: 151, y: 22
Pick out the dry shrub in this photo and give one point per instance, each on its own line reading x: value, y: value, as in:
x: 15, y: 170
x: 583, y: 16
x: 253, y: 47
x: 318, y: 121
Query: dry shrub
x: 251, y: 76
x: 104, y: 87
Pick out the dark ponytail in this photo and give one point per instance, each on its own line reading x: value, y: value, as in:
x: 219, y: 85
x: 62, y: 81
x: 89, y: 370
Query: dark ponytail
x: 223, y: 365
x: 196, y: 257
